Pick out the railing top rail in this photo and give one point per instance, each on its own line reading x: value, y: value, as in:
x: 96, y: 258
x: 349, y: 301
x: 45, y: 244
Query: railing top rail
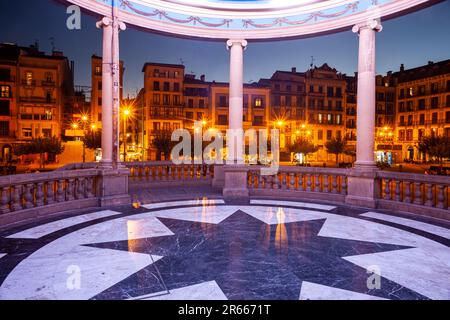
x: 310, y: 170
x: 414, y: 177
x: 42, y: 177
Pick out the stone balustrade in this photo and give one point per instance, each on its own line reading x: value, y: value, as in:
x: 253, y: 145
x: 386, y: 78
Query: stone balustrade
x: 166, y: 171
x: 415, y: 193
x: 325, y: 184
x: 27, y: 196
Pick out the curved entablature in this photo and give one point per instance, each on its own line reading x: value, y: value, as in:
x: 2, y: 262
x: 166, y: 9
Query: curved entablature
x: 250, y: 19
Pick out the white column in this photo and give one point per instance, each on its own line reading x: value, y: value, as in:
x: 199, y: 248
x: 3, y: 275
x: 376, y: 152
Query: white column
x: 365, y: 141
x: 107, y: 97
x: 110, y: 89
x: 236, y: 107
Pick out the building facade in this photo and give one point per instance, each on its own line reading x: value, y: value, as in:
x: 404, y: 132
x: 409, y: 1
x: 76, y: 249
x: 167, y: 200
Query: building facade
x: 35, y: 88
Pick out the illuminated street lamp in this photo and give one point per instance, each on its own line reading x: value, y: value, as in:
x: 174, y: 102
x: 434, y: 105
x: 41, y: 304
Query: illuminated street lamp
x: 126, y: 115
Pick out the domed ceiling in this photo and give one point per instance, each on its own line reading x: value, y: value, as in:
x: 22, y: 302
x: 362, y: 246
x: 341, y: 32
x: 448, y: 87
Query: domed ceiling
x: 251, y: 19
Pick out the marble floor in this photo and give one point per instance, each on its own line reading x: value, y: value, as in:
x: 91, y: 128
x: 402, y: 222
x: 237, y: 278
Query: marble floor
x: 206, y: 249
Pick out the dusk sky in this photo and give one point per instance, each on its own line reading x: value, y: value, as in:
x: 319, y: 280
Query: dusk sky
x: 413, y: 40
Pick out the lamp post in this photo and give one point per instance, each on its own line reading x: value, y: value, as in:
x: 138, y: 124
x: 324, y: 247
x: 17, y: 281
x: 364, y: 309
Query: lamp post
x: 126, y: 114
x: 84, y: 120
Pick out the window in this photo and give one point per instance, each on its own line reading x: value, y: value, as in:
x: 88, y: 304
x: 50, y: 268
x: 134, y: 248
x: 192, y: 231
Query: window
x: 288, y: 101
x: 258, y: 103
x: 330, y: 91
x: 176, y: 74
x: 156, y: 86
x: 410, y: 106
x: 401, y: 107
x: 320, y: 118
x: 447, y: 117
x: 166, y: 86
x: 448, y: 101
x: 434, y: 87
x: 222, y: 101
x: 402, y: 120
x: 410, y: 120
x: 288, y: 87
x: 434, y: 102
x: 99, y: 86
x: 421, y: 133
x: 27, y: 133
x: 190, y: 115
x: 422, y: 104
x: 311, y: 88
x: 190, y: 103
x: 277, y: 87
x: 434, y: 118
x: 176, y: 100
x: 401, y: 135
x: 176, y: 87
x: 422, y: 119
x: 176, y: 126
x: 276, y: 101
x: 99, y: 101
x: 156, y: 73
x: 223, y: 120
x: 329, y: 135
x: 156, y: 126
x: 5, y: 75
x: 47, y: 133
x: 29, y: 78
x: 330, y: 118
x: 166, y: 99
x: 339, y: 105
x: 4, y: 128
x: 5, y: 92
x: 166, y: 126
x: 409, y: 135
x: 320, y: 135
x: 199, y: 116
x: 320, y: 89
x: 338, y: 119
x: 258, y: 121
x: 48, y: 97
x: 98, y: 70
x: 339, y: 92
x: 4, y: 108
x: 339, y: 134
x: 156, y: 99
x: 201, y: 103
x: 411, y: 92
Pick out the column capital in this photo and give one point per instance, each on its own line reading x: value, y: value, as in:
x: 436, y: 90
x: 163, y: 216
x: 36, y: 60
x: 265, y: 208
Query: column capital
x: 106, y: 22
x: 372, y: 24
x: 234, y: 42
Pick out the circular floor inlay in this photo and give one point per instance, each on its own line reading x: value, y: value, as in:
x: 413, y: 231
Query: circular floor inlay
x: 188, y: 251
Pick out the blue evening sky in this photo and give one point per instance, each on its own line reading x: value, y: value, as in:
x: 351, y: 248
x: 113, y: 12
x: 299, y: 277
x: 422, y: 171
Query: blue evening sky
x: 413, y: 40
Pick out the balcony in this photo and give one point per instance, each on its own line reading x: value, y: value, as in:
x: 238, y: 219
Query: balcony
x: 27, y: 83
x: 38, y: 100
x: 48, y: 83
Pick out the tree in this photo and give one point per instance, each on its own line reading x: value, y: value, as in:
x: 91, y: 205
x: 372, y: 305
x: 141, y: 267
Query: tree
x: 93, y: 140
x: 162, y: 142
x: 435, y: 147
x: 337, y: 147
x: 40, y: 146
x: 304, y: 146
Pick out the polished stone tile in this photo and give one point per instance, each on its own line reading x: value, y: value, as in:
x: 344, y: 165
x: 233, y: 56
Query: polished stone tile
x: 43, y: 230
x: 207, y: 202
x: 280, y: 215
x: 294, y: 204
x: 440, y: 231
x: 203, y: 291
x: 2, y: 255
x: 314, y: 291
x: 427, y: 273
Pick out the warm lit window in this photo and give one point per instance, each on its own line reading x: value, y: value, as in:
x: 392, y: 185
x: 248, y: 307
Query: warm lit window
x: 5, y: 92
x: 258, y: 103
x: 27, y: 132
x: 156, y: 99
x: 29, y: 78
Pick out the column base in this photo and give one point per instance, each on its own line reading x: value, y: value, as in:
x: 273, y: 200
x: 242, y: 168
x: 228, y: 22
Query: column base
x: 113, y: 187
x: 363, y: 186
x: 236, y: 190
x: 218, y: 182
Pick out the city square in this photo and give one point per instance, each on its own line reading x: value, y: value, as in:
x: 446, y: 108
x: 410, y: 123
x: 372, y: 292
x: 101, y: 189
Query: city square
x: 308, y: 184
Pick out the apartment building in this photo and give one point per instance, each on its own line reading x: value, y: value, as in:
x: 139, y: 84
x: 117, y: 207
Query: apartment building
x: 35, y: 89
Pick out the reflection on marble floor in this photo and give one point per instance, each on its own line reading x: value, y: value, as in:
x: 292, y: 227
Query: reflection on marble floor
x: 208, y: 250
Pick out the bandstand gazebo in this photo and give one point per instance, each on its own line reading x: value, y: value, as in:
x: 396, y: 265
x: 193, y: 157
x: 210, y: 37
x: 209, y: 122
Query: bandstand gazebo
x: 237, y: 23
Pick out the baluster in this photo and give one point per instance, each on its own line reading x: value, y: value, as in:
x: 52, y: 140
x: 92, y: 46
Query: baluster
x: 387, y: 189
x: 417, y: 193
x: 334, y: 184
x: 407, y: 187
x: 440, y: 196
x: 308, y: 183
x: 80, y: 189
x: 429, y: 200
x: 5, y: 200
x: 267, y: 182
x: 397, y: 190
x: 60, y: 191
x: 275, y: 182
x: 260, y: 180
x: 16, y: 199
x: 344, y: 185
x: 40, y: 194
x: 317, y: 183
x: 29, y: 196
x: 300, y: 182
x: 89, y: 183
x: 291, y: 181
x: 50, y: 193
x: 325, y: 183
x: 69, y: 190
